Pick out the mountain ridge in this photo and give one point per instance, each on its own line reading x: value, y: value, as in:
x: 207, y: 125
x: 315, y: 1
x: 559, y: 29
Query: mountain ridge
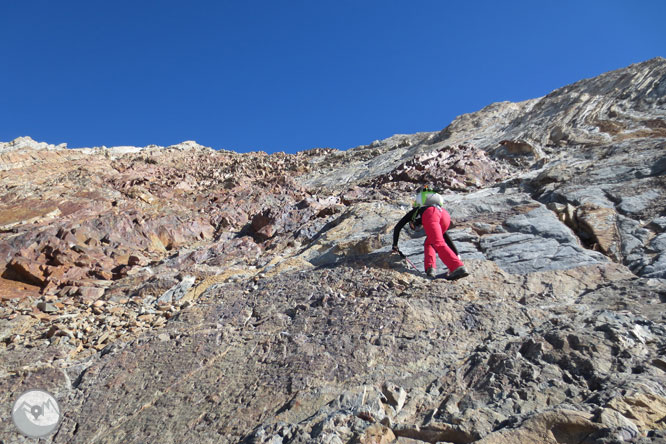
x: 182, y: 293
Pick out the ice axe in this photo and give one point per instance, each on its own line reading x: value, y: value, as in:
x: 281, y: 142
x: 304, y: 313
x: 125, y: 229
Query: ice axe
x: 402, y: 255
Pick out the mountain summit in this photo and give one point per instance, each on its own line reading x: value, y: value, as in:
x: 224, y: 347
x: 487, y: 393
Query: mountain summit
x: 182, y: 294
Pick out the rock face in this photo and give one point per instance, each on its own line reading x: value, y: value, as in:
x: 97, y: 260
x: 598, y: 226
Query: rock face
x: 181, y: 294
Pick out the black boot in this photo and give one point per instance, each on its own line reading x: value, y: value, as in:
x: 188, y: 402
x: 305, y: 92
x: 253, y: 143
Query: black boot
x: 458, y: 273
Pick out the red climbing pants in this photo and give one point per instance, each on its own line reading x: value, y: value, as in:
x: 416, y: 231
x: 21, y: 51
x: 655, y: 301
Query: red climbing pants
x: 436, y: 221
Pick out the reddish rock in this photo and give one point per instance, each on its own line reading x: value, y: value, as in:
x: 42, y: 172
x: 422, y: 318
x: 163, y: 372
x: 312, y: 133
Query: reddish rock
x: 55, y: 274
x: 90, y: 293
x: 11, y: 289
x: 68, y: 291
x: 261, y: 225
x: 120, y: 258
x: 74, y: 274
x: 136, y: 259
x: 51, y: 288
x: 61, y: 257
x: 600, y: 226
x: 27, y: 271
x: 103, y: 274
x: 452, y: 167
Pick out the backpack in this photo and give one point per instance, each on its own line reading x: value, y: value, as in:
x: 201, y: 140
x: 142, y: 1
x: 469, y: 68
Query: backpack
x: 421, y: 196
x: 434, y: 199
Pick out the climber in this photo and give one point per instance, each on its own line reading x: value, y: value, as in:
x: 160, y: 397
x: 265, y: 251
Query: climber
x: 428, y: 211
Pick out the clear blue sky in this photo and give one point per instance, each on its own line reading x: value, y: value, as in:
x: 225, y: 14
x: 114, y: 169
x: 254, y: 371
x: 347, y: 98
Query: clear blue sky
x: 292, y: 75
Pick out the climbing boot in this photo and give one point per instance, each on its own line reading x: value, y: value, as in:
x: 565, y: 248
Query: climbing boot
x: 458, y: 273
x: 430, y: 272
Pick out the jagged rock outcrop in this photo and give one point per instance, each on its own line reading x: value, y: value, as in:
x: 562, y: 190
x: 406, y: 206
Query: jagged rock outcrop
x: 172, y: 294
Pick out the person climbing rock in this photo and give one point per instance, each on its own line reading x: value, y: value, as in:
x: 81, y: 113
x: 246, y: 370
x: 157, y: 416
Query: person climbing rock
x: 428, y: 210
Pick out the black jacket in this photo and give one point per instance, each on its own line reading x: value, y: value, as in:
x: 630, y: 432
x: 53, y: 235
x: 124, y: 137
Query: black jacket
x: 415, y: 216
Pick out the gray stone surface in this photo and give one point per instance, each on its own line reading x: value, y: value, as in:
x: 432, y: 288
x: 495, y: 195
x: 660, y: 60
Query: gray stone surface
x: 659, y: 243
x: 525, y: 253
x: 660, y: 223
x: 657, y: 268
x: 638, y: 204
x: 176, y: 293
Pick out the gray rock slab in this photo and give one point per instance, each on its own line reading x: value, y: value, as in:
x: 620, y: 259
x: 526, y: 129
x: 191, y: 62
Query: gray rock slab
x: 637, y: 204
x: 660, y: 223
x: 579, y: 195
x: 176, y: 293
x: 483, y: 202
x: 523, y: 253
x: 659, y: 243
x: 657, y: 269
x: 466, y: 242
x: 541, y: 222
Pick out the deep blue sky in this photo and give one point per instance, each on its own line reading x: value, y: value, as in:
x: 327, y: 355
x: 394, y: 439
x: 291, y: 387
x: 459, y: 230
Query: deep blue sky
x: 292, y: 75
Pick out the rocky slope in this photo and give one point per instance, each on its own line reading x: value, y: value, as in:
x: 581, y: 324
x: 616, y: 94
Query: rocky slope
x: 181, y: 294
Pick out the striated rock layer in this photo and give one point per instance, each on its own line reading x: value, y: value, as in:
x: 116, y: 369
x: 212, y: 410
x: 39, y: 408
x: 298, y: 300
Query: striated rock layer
x: 181, y: 294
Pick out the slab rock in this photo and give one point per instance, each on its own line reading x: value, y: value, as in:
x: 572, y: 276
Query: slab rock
x: 536, y: 241
x: 549, y: 428
x: 183, y: 294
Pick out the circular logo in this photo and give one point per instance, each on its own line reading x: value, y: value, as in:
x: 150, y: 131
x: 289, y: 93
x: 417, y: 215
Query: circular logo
x: 36, y: 413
